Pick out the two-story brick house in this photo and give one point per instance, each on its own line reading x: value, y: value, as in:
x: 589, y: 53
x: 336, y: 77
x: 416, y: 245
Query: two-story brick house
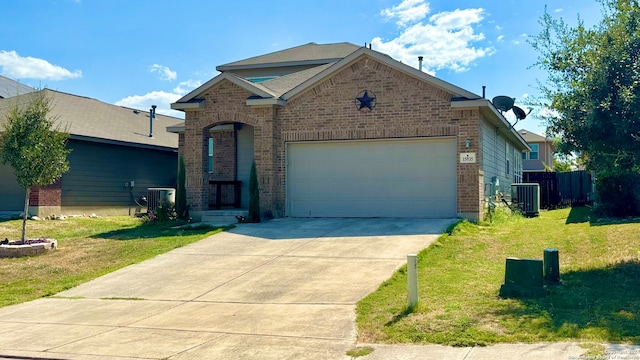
x: 339, y: 130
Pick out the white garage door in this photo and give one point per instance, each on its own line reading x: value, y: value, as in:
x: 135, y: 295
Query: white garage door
x: 382, y: 178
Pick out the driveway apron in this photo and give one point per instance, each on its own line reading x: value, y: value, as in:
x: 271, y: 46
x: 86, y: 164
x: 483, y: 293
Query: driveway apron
x: 282, y: 289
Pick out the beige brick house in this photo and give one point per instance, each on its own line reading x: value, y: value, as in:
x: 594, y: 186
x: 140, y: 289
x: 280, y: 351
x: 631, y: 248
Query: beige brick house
x: 338, y: 130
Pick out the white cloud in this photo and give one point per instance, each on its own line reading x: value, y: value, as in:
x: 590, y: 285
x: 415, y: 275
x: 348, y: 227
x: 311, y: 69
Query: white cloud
x: 161, y: 99
x: 19, y: 67
x: 498, y: 27
x: 524, y: 35
x: 186, y: 86
x: 500, y: 38
x: 515, y: 42
x: 558, y: 10
x: 409, y: 11
x: 444, y: 40
x: 165, y: 72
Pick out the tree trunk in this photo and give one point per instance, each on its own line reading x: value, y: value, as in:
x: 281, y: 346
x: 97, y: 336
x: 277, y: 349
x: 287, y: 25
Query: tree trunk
x: 25, y: 214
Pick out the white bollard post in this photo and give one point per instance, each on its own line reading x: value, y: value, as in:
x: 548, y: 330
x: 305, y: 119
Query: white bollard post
x: 412, y: 279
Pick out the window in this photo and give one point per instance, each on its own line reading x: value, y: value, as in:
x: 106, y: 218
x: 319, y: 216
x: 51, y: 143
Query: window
x: 524, y: 155
x: 533, y: 155
x: 210, y: 155
x: 261, y: 79
x: 517, y: 167
x: 507, y: 155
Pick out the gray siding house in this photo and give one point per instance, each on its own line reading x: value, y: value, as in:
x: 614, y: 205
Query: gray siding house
x: 111, y: 148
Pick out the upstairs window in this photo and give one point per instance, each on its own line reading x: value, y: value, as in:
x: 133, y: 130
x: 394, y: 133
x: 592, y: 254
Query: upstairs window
x: 533, y: 155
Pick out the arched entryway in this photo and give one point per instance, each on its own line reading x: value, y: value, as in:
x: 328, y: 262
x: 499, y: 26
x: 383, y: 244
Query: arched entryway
x: 228, y: 152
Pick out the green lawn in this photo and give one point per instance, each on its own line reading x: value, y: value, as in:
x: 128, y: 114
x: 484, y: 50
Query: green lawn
x: 460, y: 277
x: 87, y: 248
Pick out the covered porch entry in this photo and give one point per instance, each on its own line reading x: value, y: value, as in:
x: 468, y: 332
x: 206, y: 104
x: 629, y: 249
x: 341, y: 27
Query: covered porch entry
x: 228, y: 150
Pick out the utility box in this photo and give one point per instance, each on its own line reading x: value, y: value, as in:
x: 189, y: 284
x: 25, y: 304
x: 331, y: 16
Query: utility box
x: 523, y: 278
x: 551, y: 266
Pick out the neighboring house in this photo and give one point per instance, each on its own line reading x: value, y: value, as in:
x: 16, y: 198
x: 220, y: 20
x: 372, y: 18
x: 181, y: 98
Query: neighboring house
x: 541, y: 153
x: 10, y: 87
x: 339, y: 130
x: 111, y: 147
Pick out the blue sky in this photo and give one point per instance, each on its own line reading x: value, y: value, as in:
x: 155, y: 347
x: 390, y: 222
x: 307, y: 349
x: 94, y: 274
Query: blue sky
x: 143, y: 52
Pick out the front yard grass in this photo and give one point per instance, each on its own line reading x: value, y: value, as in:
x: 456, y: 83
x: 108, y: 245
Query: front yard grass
x: 461, y: 273
x: 87, y: 249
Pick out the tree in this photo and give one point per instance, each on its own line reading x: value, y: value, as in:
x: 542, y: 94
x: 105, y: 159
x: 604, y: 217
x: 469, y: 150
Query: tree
x: 593, y: 88
x: 33, y: 146
x: 182, y: 209
x: 254, y: 195
x: 563, y: 163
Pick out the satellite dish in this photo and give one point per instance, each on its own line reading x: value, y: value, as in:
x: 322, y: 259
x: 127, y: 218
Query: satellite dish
x: 520, y: 114
x: 503, y: 103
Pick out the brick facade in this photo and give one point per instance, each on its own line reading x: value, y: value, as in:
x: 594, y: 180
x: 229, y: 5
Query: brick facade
x: 406, y: 107
x: 46, y: 195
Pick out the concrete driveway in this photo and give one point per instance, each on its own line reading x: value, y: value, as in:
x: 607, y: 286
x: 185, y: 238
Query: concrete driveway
x: 283, y: 289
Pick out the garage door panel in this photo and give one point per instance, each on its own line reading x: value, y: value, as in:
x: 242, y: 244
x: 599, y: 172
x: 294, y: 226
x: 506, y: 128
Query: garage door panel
x: 387, y: 178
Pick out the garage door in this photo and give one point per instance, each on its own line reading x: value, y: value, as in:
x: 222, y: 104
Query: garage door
x: 384, y: 178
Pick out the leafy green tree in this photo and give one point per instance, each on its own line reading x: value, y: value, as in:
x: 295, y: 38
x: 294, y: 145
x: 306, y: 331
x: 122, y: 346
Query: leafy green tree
x: 33, y: 146
x: 182, y: 209
x: 593, y: 88
x: 254, y: 195
x: 563, y: 163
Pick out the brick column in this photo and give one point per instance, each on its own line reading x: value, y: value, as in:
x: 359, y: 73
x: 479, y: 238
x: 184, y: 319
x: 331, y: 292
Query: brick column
x: 46, y: 200
x: 470, y: 178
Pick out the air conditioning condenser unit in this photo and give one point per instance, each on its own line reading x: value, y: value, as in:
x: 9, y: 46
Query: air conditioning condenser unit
x: 157, y: 196
x: 527, y: 197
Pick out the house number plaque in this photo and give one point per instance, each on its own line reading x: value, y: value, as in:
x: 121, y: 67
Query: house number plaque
x: 467, y: 158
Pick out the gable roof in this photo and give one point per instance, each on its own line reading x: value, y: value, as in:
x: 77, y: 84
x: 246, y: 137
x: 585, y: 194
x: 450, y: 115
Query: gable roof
x: 96, y: 121
x: 308, y: 54
x: 531, y: 137
x: 10, y: 87
x: 283, y: 88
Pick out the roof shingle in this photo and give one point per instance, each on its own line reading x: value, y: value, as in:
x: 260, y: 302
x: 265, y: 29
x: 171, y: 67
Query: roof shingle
x: 94, y: 120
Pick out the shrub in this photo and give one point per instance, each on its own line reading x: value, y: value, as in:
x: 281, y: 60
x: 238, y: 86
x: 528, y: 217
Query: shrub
x: 254, y: 195
x: 182, y: 209
x: 617, y: 194
x: 166, y: 211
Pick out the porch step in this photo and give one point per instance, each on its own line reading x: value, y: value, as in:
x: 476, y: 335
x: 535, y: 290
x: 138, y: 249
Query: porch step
x: 222, y: 217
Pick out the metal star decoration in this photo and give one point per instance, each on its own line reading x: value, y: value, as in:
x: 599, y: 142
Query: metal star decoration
x: 366, y: 99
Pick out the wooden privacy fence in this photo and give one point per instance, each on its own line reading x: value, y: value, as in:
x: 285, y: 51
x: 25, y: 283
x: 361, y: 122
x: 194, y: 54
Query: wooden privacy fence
x: 561, y: 189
